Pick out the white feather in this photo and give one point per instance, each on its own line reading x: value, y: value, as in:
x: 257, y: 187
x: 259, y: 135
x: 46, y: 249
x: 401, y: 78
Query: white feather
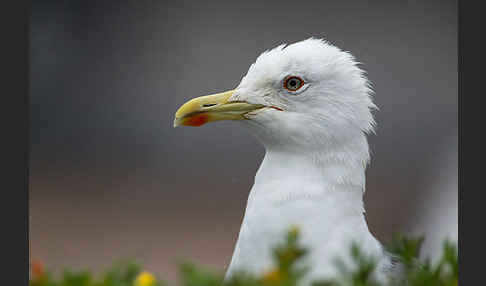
x: 313, y: 173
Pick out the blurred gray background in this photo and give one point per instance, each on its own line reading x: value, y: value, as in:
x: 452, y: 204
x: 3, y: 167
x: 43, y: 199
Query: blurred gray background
x: 110, y: 178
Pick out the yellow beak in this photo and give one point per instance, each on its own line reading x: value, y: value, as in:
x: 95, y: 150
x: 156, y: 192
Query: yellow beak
x: 209, y: 108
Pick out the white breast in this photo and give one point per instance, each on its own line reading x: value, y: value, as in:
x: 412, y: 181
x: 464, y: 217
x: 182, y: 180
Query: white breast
x: 291, y: 190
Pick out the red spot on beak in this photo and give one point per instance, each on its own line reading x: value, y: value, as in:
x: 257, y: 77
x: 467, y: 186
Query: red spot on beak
x: 196, y: 120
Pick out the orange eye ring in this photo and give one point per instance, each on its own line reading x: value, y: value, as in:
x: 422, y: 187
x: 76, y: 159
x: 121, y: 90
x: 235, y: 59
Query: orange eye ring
x: 293, y: 83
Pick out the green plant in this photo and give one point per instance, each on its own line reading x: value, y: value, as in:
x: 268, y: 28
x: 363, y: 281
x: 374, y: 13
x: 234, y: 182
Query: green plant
x: 287, y: 272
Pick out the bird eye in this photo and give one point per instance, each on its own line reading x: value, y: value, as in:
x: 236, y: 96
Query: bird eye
x: 293, y: 83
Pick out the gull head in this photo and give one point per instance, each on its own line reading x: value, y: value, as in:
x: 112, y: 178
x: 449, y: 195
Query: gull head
x: 292, y: 95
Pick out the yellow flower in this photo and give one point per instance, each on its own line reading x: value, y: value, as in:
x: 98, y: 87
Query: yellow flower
x: 273, y: 277
x: 144, y: 279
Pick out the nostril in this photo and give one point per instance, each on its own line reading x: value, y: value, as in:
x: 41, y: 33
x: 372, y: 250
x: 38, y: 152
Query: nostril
x: 209, y: 104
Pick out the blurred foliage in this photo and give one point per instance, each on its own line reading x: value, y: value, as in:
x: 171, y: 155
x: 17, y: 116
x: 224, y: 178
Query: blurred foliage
x: 410, y: 270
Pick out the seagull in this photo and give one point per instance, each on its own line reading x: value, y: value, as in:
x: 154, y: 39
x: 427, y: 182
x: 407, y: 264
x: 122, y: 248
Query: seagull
x: 310, y: 105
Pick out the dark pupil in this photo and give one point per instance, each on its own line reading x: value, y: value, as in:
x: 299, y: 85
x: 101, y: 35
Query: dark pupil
x: 293, y: 83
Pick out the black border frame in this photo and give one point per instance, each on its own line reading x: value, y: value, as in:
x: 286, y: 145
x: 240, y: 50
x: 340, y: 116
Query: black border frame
x: 15, y: 118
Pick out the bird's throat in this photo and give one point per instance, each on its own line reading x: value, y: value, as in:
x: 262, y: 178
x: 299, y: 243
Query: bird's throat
x: 317, y: 171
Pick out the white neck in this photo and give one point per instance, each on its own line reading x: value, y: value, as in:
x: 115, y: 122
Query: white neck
x: 320, y: 190
x: 327, y: 169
